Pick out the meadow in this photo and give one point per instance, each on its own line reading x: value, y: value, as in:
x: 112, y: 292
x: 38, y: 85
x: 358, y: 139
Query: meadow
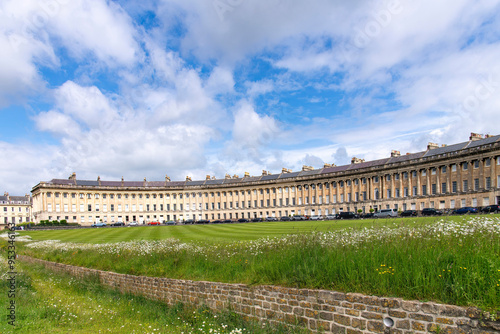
x: 55, y: 303
x: 453, y: 260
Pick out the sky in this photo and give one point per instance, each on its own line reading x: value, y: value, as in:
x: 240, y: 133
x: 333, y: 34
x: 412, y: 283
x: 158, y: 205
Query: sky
x: 145, y: 89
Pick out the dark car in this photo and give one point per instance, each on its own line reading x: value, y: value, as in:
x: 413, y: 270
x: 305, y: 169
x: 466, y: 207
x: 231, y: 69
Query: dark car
x: 227, y: 221
x: 431, y: 212
x: 118, y: 224
x: 202, y: 221
x: 256, y: 219
x: 409, y: 213
x: 243, y: 220
x: 285, y: 219
x: 189, y: 221
x: 464, y: 210
x: 347, y: 215
x: 217, y: 221
x: 491, y: 208
x: 367, y: 215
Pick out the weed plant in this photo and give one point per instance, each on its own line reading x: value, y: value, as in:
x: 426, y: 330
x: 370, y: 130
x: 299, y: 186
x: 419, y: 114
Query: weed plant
x: 447, y: 261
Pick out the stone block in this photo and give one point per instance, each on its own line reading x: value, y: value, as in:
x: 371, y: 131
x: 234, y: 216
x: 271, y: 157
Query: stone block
x: 342, y: 320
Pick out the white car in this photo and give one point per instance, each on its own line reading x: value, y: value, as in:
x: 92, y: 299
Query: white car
x: 330, y: 217
x: 316, y: 217
x: 386, y: 213
x: 133, y: 224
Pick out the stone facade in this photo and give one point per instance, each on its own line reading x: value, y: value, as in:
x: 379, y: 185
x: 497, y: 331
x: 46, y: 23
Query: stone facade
x: 319, y: 310
x: 15, y: 209
x: 441, y: 177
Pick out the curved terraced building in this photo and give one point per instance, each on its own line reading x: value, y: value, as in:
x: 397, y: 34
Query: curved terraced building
x: 442, y: 177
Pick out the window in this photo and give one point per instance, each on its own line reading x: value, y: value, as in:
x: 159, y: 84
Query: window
x: 112, y: 207
x: 89, y: 207
x: 364, y: 196
x: 57, y: 195
x: 405, y: 175
x: 356, y: 181
x: 414, y: 173
x: 487, y: 183
x: 434, y: 190
x: 454, y: 168
x: 443, y: 169
x: 414, y: 192
x: 388, y: 193
x: 397, y: 194
x: 96, y: 196
x: 443, y: 188
x: 97, y: 207
x: 103, y: 196
x: 405, y: 192
x: 104, y: 207
x: 465, y: 186
x: 396, y: 176
x: 433, y: 171
x: 423, y: 172
x: 476, y: 184
x: 476, y: 163
x: 348, y: 182
x: 375, y: 179
x: 465, y: 165
x: 487, y: 162
x: 424, y: 190
x: 454, y: 186
x: 363, y: 180
x: 387, y: 177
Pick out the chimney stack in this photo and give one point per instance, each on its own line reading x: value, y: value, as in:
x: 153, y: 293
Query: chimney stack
x: 432, y: 146
x: 355, y: 160
x: 395, y: 153
x: 475, y: 136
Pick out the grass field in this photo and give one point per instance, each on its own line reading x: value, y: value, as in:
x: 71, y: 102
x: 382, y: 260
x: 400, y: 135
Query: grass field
x: 55, y: 303
x: 217, y: 233
x: 450, y: 260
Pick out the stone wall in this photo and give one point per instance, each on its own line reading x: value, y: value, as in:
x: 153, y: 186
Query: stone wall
x: 319, y: 310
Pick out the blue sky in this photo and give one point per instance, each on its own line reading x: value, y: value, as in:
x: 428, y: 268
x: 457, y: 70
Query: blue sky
x: 195, y: 88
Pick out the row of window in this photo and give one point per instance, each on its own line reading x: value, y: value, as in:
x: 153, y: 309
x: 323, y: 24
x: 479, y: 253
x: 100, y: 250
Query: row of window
x: 363, y: 196
x: 13, y: 209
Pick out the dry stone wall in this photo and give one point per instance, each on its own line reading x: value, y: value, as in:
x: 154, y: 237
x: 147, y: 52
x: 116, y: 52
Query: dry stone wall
x: 319, y: 310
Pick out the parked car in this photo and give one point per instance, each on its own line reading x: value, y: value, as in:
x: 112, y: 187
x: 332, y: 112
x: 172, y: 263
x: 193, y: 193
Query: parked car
x: 298, y: 217
x: 464, y: 210
x: 170, y: 222
x: 367, y: 215
x: 491, y: 208
x: 257, y: 219
x: 118, y: 224
x: 431, y: 212
x: 203, y: 221
x: 243, y: 220
x: 227, y: 221
x: 134, y: 223
x: 99, y: 224
x: 347, y: 215
x: 409, y: 213
x: 154, y: 223
x: 285, y: 218
x: 315, y: 217
x: 271, y: 219
x: 384, y: 213
x: 189, y: 221
x: 329, y: 217
x: 217, y: 221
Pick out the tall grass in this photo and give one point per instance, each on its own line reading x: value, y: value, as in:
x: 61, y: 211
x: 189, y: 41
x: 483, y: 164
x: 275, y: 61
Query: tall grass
x: 56, y: 303
x: 449, y: 262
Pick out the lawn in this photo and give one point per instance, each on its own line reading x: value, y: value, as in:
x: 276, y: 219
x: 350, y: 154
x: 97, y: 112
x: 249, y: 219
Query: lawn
x: 450, y: 260
x: 215, y: 233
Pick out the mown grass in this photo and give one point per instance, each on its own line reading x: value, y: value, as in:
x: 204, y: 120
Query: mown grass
x: 217, y: 233
x: 56, y: 303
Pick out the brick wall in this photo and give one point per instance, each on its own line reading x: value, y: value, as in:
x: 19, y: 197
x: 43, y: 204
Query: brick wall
x: 326, y: 311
